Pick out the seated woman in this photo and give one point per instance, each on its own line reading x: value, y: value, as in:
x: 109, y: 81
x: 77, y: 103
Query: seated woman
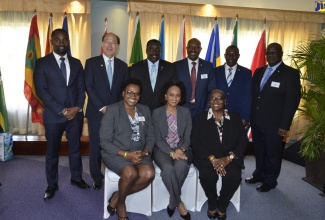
x: 219, y: 142
x: 173, y: 125
x: 127, y: 139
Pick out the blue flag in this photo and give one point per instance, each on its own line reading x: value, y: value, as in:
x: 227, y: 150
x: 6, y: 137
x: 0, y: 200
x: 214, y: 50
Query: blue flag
x: 65, y: 27
x: 162, y: 38
x: 213, y: 52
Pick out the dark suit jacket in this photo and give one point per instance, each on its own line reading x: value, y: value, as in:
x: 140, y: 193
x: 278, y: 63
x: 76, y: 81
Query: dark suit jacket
x: 205, y: 139
x: 115, y: 131
x: 98, y: 90
x: 165, y: 73
x: 239, y: 94
x: 205, y: 82
x: 184, y: 127
x: 275, y: 106
x: 51, y: 87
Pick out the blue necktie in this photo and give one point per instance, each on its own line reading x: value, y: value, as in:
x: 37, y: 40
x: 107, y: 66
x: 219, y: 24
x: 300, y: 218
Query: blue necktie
x: 63, y: 69
x: 109, y: 73
x: 266, y: 77
x: 229, y: 79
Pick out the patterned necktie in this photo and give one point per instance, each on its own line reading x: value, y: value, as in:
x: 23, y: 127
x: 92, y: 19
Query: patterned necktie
x: 193, y: 80
x: 266, y: 77
x: 229, y: 78
x: 109, y: 73
x: 153, y: 76
x: 63, y: 69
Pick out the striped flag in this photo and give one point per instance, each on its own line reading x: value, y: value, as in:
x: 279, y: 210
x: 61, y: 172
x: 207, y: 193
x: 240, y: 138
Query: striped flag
x: 213, y: 52
x: 65, y: 27
x: 4, y: 122
x: 136, y: 53
x: 181, y: 49
x: 105, y: 32
x: 259, y: 56
x: 49, y: 46
x: 162, y: 38
x: 33, y: 52
x: 235, y: 34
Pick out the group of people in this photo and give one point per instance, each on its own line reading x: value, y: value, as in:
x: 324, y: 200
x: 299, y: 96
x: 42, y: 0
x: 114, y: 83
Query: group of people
x: 173, y: 114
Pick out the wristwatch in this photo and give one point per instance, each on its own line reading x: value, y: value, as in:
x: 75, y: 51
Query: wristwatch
x: 231, y: 156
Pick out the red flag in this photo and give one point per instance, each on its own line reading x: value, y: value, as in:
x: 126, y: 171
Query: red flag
x: 49, y: 46
x: 105, y: 32
x: 259, y: 56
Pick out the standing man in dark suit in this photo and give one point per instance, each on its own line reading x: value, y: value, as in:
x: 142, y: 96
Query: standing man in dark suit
x: 197, y: 76
x: 59, y: 83
x: 236, y: 82
x: 153, y: 72
x: 276, y: 97
x: 104, y: 77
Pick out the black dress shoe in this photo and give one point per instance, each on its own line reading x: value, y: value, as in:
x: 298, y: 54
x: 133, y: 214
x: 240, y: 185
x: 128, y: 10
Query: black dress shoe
x: 264, y: 188
x: 81, y: 184
x: 170, y: 211
x: 252, y: 180
x: 97, y: 184
x: 221, y: 217
x: 110, y: 209
x: 50, y: 191
x: 212, y: 215
x: 186, y: 217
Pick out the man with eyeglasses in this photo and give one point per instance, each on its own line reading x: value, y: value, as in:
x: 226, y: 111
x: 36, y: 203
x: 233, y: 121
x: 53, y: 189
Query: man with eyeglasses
x: 197, y: 77
x: 153, y: 72
x: 275, y: 99
x: 104, y: 77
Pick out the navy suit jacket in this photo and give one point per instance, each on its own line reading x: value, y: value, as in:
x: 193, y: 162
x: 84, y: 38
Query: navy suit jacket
x: 205, y: 83
x: 165, y: 73
x: 239, y: 94
x: 98, y: 89
x: 275, y: 106
x: 51, y: 88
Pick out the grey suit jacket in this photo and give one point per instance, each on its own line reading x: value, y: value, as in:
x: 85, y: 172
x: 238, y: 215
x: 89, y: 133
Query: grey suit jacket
x: 115, y: 131
x: 184, y: 127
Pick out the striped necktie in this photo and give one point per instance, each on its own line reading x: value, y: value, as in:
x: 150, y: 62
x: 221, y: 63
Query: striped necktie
x: 229, y: 78
x: 266, y: 77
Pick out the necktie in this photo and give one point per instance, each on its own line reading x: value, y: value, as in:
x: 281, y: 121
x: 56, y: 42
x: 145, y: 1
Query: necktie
x: 153, y: 76
x: 266, y: 77
x: 109, y: 73
x: 193, y: 80
x: 63, y: 69
x: 229, y: 78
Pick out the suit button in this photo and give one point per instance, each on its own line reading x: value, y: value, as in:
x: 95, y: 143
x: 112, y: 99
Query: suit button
x: 259, y: 97
x: 257, y: 108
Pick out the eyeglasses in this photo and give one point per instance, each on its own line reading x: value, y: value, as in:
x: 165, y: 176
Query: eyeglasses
x: 112, y: 43
x: 131, y: 93
x: 216, y: 98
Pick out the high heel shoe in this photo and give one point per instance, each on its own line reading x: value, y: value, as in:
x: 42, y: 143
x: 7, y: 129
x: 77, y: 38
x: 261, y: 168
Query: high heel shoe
x: 122, y: 218
x: 170, y: 211
x: 110, y: 209
x: 187, y: 216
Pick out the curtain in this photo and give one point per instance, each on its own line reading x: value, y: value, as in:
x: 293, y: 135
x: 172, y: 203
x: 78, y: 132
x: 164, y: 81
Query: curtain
x: 14, y: 30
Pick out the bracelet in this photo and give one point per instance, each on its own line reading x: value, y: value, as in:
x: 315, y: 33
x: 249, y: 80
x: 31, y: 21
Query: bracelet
x: 125, y: 154
x: 211, y: 158
x: 171, y: 153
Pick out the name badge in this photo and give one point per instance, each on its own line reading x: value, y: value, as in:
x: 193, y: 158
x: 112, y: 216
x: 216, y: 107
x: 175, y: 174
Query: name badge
x: 141, y: 118
x: 275, y: 84
x: 204, y: 76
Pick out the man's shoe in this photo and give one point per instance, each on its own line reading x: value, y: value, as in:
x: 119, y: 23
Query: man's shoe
x: 98, y: 184
x: 264, y: 188
x: 50, y: 191
x: 81, y: 184
x: 252, y: 180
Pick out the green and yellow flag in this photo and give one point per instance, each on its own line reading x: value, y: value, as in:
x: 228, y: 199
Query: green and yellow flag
x: 32, y: 54
x: 136, y: 53
x: 4, y: 122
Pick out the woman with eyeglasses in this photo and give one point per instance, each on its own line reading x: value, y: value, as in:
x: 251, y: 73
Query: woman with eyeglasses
x: 173, y: 125
x: 127, y: 139
x: 219, y: 142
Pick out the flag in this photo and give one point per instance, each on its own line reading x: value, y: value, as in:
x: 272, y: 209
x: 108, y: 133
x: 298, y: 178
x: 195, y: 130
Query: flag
x: 181, y: 49
x: 65, y: 27
x: 136, y: 53
x: 235, y: 34
x: 213, y: 52
x: 49, y: 46
x: 33, y: 52
x: 4, y: 122
x: 162, y: 38
x: 259, y: 56
x: 105, y: 32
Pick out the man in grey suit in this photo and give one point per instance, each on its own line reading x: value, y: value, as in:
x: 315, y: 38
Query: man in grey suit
x: 153, y: 72
x: 104, y: 77
x: 275, y: 99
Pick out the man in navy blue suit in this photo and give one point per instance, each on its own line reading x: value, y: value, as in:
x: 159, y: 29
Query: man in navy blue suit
x: 197, y: 77
x: 236, y: 82
x: 104, y: 77
x: 59, y: 83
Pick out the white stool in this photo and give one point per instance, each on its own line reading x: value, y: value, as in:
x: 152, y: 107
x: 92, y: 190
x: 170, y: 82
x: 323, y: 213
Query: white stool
x: 201, y: 198
x: 160, y: 195
x: 139, y: 202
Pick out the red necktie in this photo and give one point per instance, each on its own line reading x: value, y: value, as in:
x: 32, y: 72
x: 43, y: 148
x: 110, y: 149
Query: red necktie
x: 193, y: 80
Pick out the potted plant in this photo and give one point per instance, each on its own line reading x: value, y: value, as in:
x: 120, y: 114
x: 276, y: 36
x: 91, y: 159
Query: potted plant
x: 309, y: 58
